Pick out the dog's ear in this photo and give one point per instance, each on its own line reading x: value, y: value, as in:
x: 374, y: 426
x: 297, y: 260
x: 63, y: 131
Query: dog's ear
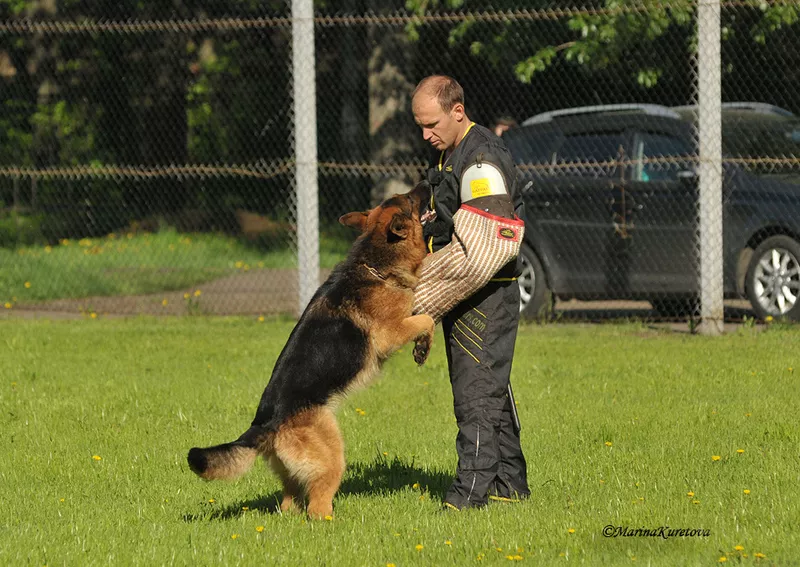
x: 399, y: 227
x: 354, y: 220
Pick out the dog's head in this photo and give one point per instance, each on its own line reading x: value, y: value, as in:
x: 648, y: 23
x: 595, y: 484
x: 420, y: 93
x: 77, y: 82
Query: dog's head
x: 396, y: 220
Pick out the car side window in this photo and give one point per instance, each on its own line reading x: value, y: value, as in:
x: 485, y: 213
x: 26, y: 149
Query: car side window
x: 660, y: 157
x: 590, y: 155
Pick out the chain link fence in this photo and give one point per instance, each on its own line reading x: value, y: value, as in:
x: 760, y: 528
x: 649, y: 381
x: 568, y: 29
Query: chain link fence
x: 149, y: 154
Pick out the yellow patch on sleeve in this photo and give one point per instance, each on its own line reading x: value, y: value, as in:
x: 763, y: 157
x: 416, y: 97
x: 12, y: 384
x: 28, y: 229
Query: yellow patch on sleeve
x: 480, y: 187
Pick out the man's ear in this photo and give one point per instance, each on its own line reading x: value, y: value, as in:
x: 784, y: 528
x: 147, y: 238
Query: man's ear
x: 399, y: 227
x: 355, y: 220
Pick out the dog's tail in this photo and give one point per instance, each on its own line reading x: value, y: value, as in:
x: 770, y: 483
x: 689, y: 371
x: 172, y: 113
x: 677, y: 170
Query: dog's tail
x: 231, y: 460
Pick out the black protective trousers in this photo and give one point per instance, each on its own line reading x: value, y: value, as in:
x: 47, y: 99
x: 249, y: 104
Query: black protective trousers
x: 480, y: 334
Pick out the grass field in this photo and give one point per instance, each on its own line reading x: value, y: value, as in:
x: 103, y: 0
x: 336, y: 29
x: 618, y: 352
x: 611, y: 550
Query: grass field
x: 138, y: 263
x: 622, y: 426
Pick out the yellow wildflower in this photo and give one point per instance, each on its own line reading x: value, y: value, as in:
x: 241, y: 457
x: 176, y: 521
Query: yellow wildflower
x: 690, y: 494
x: 571, y: 530
x: 723, y: 559
x: 738, y: 547
x: 260, y: 318
x: 746, y: 491
x: 419, y: 547
x: 759, y: 556
x: 7, y: 305
x: 234, y: 536
x: 715, y: 457
x: 608, y: 443
x: 27, y: 285
x: 448, y: 542
x: 740, y: 451
x: 328, y: 518
x: 259, y: 529
x: 163, y: 301
x: 97, y: 457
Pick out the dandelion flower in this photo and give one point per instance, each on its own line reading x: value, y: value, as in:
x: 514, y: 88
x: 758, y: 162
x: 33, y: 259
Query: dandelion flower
x: 415, y: 485
x: 448, y: 542
x: 27, y: 285
x: 186, y: 295
x: 197, y: 293
x: 738, y: 547
x: 769, y: 319
x: 7, y: 305
x: 608, y: 443
x: 93, y: 315
x: 390, y: 565
x: 759, y: 556
x: 259, y: 529
x: 690, y: 494
x: 163, y: 302
x: 419, y: 547
x: 723, y: 559
x: 740, y: 451
x: 328, y: 518
x: 211, y: 500
x: 715, y: 457
x: 234, y: 536
x: 97, y: 457
x: 260, y: 318
x: 746, y: 491
x: 245, y: 508
x: 571, y: 530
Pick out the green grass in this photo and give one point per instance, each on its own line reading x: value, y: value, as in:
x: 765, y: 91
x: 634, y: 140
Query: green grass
x: 138, y: 263
x: 139, y: 392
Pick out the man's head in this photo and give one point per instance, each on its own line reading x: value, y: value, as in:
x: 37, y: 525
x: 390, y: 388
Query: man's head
x: 438, y: 107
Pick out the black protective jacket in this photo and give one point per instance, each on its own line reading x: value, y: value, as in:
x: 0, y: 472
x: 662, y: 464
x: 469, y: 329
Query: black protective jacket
x: 478, y: 145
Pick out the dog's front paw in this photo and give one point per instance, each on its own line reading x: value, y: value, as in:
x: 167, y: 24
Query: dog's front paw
x: 422, y: 347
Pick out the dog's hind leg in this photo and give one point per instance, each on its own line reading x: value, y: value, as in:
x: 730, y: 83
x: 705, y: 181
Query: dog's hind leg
x: 311, y: 448
x: 292, y: 490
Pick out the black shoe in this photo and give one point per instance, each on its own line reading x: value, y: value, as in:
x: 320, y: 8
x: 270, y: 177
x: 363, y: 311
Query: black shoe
x: 448, y: 508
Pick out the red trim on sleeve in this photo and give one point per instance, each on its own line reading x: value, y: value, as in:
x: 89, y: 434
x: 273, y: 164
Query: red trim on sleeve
x: 516, y: 221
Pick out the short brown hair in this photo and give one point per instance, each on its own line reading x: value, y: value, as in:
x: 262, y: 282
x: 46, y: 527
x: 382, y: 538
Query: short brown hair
x: 444, y: 89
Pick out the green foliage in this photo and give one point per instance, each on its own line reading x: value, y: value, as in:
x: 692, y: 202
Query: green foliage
x: 620, y: 425
x: 19, y: 229
x: 600, y: 38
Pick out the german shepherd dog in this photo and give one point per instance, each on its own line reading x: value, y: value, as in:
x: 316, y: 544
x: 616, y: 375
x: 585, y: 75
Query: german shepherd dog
x: 356, y: 319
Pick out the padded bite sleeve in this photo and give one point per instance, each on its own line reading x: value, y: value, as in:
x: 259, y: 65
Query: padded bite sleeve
x: 482, y: 243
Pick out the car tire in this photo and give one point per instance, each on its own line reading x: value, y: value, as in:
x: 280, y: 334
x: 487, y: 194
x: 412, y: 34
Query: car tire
x: 676, y: 306
x: 773, y: 278
x: 536, y: 300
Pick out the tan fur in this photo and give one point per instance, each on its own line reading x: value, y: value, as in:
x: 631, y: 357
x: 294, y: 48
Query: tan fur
x: 309, y: 452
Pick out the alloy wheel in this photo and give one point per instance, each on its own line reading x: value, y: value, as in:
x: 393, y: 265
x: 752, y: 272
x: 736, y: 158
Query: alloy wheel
x: 776, y: 281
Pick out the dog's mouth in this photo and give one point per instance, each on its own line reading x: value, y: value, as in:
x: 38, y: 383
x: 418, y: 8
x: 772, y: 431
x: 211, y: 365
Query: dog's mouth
x: 427, y: 216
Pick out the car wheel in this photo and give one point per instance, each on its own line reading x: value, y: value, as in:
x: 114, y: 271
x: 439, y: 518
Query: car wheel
x: 676, y: 307
x: 773, y: 278
x: 536, y: 301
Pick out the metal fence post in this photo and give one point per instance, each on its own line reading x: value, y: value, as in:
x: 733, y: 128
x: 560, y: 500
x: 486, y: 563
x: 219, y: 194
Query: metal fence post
x: 305, y: 138
x: 710, y: 167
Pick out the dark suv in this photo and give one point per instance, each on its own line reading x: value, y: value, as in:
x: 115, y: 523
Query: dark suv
x: 612, y: 207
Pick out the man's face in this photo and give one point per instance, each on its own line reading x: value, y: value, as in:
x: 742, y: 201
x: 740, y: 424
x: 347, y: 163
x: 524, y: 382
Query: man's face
x: 439, y: 128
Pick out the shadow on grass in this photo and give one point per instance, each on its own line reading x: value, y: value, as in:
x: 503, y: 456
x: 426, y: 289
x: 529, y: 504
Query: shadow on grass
x: 379, y: 477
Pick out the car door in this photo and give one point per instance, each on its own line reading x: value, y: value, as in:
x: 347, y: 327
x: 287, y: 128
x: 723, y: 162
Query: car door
x: 569, y: 205
x: 662, y: 183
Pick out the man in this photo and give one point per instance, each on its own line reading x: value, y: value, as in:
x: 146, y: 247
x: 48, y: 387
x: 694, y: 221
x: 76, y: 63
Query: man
x: 474, y: 175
